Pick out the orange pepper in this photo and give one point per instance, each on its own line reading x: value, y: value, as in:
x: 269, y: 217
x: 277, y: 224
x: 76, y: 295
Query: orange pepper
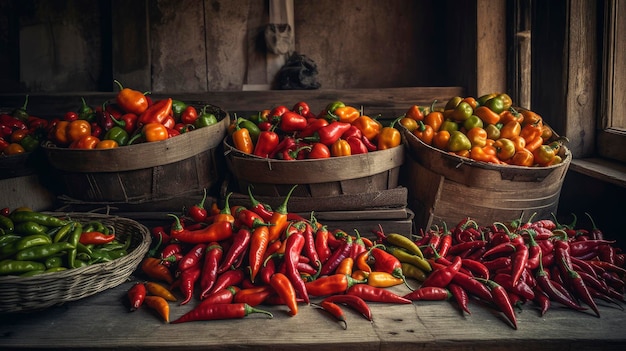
x: 471, y: 101
x: 60, y: 133
x: 531, y: 131
x: 487, y: 115
x: 510, y: 130
x: 409, y: 123
x: 484, y: 154
x: 532, y: 145
x: 77, y: 129
x: 511, y: 114
x: 519, y: 142
x: 441, y: 139
x: 13, y: 149
x: 130, y: 100
x: 107, y: 144
x: 434, y: 118
x: 18, y: 135
x: 389, y: 137
x: 546, y: 132
x: 505, y: 149
x: 424, y: 132
x: 544, y: 154
x: 522, y: 158
x: 415, y: 112
x: 368, y: 126
x: 340, y: 148
x: 477, y: 136
x: 242, y: 139
x: 530, y: 117
x: 85, y: 142
x: 347, y: 114
x: 152, y: 131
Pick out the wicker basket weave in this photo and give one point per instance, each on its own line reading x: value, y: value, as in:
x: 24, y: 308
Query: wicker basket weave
x: 21, y: 294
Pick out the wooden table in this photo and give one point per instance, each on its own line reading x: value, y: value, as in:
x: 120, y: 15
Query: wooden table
x: 103, y: 322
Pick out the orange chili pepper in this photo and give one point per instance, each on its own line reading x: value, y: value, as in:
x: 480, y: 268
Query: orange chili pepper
x: 477, y: 136
x: 532, y: 145
x: 258, y: 245
x: 510, y: 130
x: 345, y: 266
x: 13, y: 149
x: 471, y: 101
x: 415, y: 112
x: 283, y: 287
x: 107, y: 144
x: 77, y: 129
x: 242, y: 139
x: 519, y: 142
x: 546, y: 132
x: 130, y: 100
x: 340, y: 148
x: 434, y: 118
x: 531, y: 131
x: 530, y: 117
x: 484, y: 154
x: 361, y: 261
x: 369, y: 126
x: 160, y: 305
x: 487, y: 115
x: 85, y: 142
x: 347, y: 114
x: 382, y: 279
x: 441, y: 139
x: 153, y: 268
x: 511, y: 114
x: 157, y: 289
x: 18, y: 135
x: 424, y: 132
x: 522, y: 158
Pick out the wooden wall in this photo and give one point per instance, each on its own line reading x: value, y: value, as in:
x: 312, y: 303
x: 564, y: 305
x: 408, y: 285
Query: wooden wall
x: 211, y: 45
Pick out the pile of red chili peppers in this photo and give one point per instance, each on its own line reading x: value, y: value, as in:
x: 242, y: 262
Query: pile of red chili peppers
x: 242, y: 257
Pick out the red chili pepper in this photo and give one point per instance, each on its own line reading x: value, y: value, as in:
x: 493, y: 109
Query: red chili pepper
x: 476, y: 268
x: 473, y: 286
x: 226, y: 279
x: 136, y: 295
x: 518, y: 262
x: 187, y: 282
x: 193, y: 257
x: 95, y: 238
x: 548, y: 286
x: 541, y: 299
x: 442, y: 277
x: 329, y: 134
x: 337, y: 256
x: 292, y: 122
x: 267, y: 142
x: 303, y: 109
x: 596, y: 233
x: 279, y: 222
x: 321, y: 244
x: 259, y: 242
x: 430, y: 293
x: 521, y: 288
x: 501, y: 300
x: 353, y: 301
x: 285, y: 289
x: 464, y: 246
x: 197, y: 212
x: 309, y: 245
x: 159, y: 234
x: 212, y: 257
x: 580, y: 288
x: 157, y: 113
x: 376, y: 294
x: 253, y: 296
x: 312, y: 127
x: 226, y: 295
x: 205, y: 312
x: 213, y: 232
x: 237, y: 249
x: 335, y: 310
x: 295, y: 244
x: 461, y: 296
x: 331, y: 285
x: 189, y: 115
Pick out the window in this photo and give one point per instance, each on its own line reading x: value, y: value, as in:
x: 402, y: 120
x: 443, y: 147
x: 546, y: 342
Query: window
x: 612, y: 125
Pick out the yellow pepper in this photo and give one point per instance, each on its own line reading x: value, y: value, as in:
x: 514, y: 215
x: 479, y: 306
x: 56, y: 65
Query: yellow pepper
x: 389, y: 136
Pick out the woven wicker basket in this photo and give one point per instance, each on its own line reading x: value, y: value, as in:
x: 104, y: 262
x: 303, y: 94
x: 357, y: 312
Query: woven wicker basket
x: 21, y: 294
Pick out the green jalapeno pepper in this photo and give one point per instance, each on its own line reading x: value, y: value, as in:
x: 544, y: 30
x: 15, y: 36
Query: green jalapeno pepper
x: 33, y: 240
x: 6, y: 223
x: 62, y: 233
x: 37, y: 217
x: 15, y: 267
x: 29, y: 228
x: 41, y: 252
x: 53, y: 261
x: 73, y: 239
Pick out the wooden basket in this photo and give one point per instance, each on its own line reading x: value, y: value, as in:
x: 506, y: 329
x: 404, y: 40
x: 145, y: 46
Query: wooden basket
x: 355, y: 174
x: 135, y: 174
x: 447, y: 188
x: 23, y: 294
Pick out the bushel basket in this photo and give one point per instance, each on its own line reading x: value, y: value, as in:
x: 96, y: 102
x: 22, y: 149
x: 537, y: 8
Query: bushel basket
x: 24, y: 294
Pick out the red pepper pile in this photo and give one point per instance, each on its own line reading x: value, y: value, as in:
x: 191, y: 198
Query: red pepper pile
x: 20, y: 132
x: 542, y: 262
x: 244, y: 257
x: 297, y: 133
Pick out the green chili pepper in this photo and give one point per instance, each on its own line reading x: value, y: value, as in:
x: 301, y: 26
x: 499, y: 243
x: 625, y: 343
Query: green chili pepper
x: 33, y: 240
x: 29, y: 143
x: 6, y: 223
x: 118, y: 134
x: 12, y: 267
x: 73, y: 239
x: 100, y: 256
x: 86, y: 112
x: 33, y: 273
x: 53, y: 262
x: 178, y: 107
x: 115, y: 254
x: 42, y: 251
x: 8, y: 238
x: 252, y: 128
x: 29, y: 228
x: 63, y: 232
x: 37, y: 217
x: 205, y: 119
x: 80, y: 263
x: 82, y: 248
x: 113, y: 245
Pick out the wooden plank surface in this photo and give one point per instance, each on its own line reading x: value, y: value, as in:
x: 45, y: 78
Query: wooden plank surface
x: 103, y: 322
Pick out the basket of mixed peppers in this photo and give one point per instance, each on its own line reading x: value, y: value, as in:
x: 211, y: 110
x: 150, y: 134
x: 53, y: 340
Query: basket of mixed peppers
x: 298, y: 133
x: 487, y: 129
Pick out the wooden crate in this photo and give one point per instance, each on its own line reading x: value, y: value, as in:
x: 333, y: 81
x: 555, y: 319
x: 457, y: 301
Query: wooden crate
x: 447, y: 188
x: 145, y: 172
x: 25, y: 180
